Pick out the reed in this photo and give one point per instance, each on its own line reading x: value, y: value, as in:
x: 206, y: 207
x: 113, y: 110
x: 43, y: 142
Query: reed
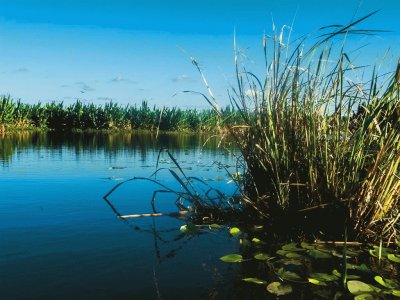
x: 313, y: 136
x: 110, y: 116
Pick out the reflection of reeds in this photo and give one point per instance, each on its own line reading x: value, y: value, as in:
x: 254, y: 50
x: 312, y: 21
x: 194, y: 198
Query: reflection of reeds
x: 83, y: 116
x: 195, y: 196
x: 312, y: 137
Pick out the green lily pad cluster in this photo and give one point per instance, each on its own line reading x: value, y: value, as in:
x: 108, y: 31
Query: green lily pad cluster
x: 384, y: 253
x: 324, y: 270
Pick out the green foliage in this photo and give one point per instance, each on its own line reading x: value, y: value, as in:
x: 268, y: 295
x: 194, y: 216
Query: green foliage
x: 232, y: 258
x: 312, y: 135
x: 84, y: 116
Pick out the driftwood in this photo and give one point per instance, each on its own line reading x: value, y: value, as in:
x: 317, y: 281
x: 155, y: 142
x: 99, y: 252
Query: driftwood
x: 173, y: 214
x: 337, y: 243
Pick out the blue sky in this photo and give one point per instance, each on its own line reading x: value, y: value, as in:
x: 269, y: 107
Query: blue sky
x: 129, y: 51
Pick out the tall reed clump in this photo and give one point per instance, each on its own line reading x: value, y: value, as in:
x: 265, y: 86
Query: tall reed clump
x: 312, y: 135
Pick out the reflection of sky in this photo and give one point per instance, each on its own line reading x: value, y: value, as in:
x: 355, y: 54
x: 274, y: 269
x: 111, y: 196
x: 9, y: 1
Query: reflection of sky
x: 60, y: 240
x: 130, y: 50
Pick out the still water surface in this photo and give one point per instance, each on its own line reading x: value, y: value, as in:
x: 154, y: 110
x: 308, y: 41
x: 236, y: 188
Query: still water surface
x: 60, y: 240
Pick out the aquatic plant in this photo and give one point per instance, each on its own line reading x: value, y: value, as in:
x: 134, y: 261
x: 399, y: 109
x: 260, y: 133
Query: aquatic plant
x: 313, y: 270
x: 314, y: 136
x: 84, y: 116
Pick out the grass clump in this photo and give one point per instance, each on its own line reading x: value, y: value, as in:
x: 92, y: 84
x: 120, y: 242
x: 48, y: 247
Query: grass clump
x: 313, y: 136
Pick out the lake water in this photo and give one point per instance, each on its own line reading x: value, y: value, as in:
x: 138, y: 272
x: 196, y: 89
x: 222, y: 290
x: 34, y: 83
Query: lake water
x: 60, y: 240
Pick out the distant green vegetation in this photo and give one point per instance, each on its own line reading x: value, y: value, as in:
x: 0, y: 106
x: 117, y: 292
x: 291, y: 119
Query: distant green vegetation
x: 110, y: 116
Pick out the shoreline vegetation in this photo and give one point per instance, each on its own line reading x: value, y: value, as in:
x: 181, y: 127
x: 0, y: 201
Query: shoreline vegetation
x: 90, y: 117
x: 320, y: 143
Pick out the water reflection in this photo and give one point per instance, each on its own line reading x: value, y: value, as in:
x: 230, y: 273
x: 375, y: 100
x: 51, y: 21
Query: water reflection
x: 60, y: 240
x: 135, y: 143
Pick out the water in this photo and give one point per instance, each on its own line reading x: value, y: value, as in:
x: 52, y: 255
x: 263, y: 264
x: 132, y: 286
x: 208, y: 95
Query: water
x: 60, y: 240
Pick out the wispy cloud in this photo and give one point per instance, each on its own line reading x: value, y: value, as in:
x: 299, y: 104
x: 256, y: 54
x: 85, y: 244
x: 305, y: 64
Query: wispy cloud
x: 120, y: 79
x: 180, y: 78
x: 84, y: 87
x: 87, y: 88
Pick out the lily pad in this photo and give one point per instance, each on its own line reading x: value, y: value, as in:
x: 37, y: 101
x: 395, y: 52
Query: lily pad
x: 318, y: 254
x: 292, y: 247
x: 234, y: 231
x: 254, y: 280
x: 289, y: 275
x: 279, y: 289
x: 215, y: 226
x: 293, y: 255
x: 361, y: 268
x: 316, y: 282
x: 324, y: 276
x: 380, y: 280
x: 358, y: 287
x: 232, y: 258
x: 262, y: 256
x: 307, y: 246
x: 282, y: 252
x: 190, y: 228
x: 394, y: 258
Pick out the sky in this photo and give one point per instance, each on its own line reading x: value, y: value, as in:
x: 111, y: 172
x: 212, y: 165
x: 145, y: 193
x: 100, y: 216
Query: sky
x: 130, y: 51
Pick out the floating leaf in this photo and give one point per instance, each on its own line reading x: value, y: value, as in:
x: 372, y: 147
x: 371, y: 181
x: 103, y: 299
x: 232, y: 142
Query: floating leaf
x: 380, y: 280
x: 362, y: 267
x: 254, y: 280
x: 232, y: 258
x: 190, y: 228
x: 289, y: 275
x: 324, y: 276
x: 394, y: 258
x: 262, y: 256
x: 215, y: 226
x: 307, y: 246
x: 282, y: 252
x: 279, y: 289
x: 256, y: 240
x: 293, y: 255
x: 392, y: 284
x: 353, y: 252
x: 318, y: 254
x: 396, y: 293
x: 234, y: 231
x: 316, y: 282
x: 358, y: 287
x: 364, y: 296
x: 292, y: 247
